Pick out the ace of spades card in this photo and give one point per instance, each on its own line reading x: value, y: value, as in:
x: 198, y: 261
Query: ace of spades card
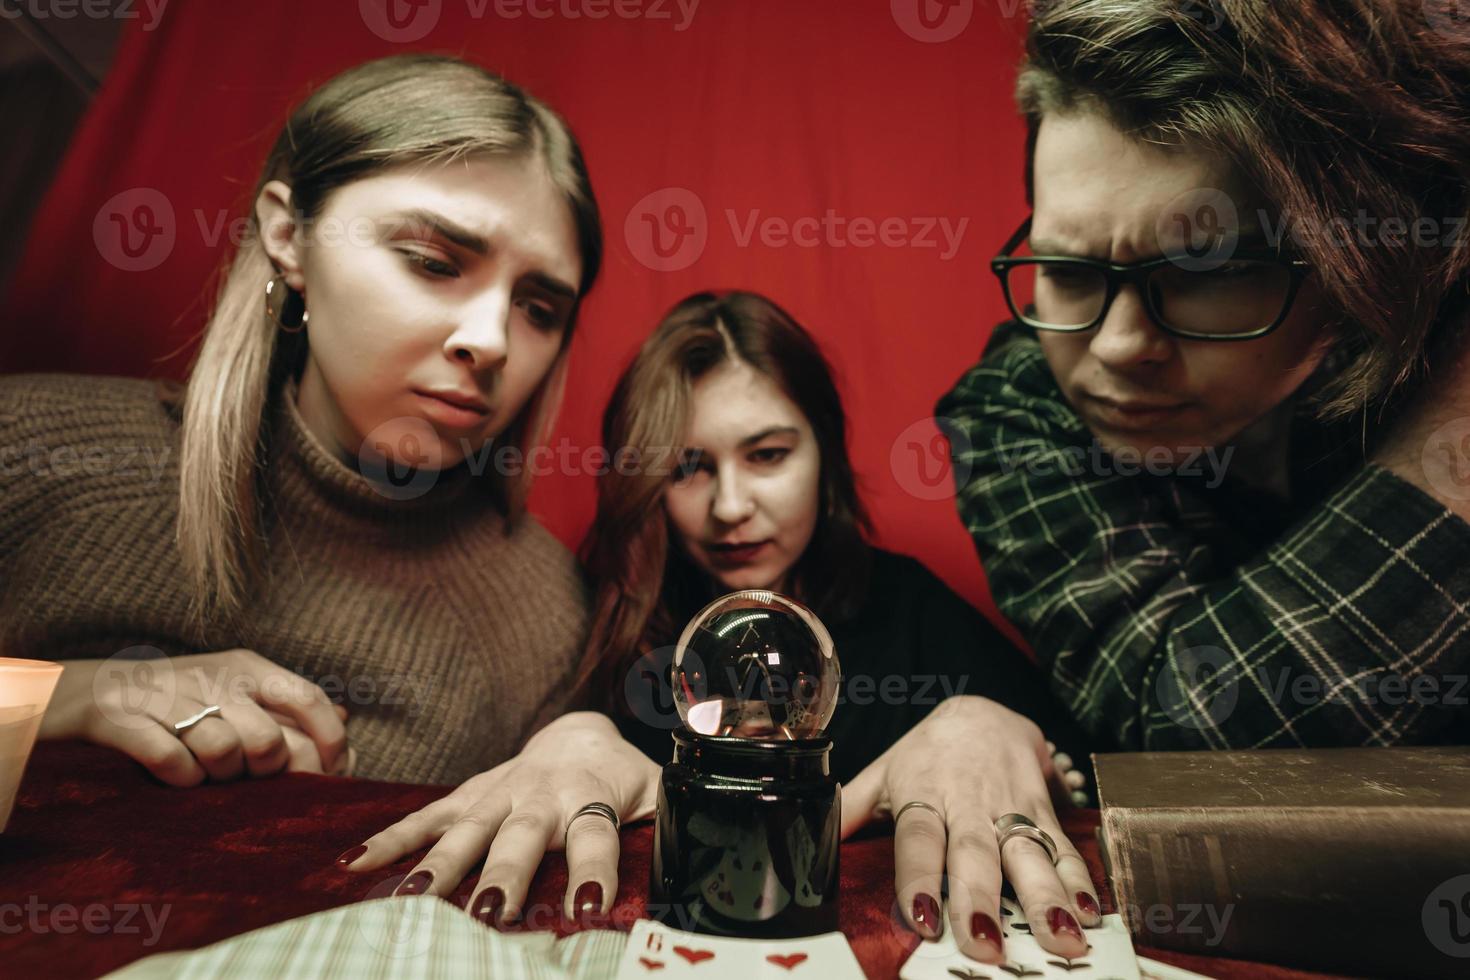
x: 659, y: 952
x: 1109, y: 954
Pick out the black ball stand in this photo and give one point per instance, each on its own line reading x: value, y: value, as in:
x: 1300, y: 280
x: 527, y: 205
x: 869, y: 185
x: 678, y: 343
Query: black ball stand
x: 746, y: 841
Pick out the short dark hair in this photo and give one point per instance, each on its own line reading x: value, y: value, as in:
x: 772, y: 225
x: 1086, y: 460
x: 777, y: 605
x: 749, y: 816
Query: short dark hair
x: 1330, y: 108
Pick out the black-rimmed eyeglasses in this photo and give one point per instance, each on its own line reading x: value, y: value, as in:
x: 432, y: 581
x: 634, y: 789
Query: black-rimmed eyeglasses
x: 1239, y: 295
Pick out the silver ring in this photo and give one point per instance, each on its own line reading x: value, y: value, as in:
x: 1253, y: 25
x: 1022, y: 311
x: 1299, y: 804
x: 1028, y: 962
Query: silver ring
x: 1016, y: 825
x: 180, y: 727
x: 600, y: 809
x: 921, y: 805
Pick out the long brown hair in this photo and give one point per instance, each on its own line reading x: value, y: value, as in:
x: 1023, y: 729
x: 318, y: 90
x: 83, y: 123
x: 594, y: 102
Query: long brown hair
x: 1330, y: 107
x: 412, y: 108
x: 645, y: 586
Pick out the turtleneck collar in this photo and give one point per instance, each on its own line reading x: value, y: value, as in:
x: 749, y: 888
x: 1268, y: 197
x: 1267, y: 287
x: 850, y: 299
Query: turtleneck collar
x: 302, y: 465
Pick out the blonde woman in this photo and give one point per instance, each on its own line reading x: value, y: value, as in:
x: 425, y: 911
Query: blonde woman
x: 326, y: 562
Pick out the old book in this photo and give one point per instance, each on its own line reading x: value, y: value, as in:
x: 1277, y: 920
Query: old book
x: 1354, y: 860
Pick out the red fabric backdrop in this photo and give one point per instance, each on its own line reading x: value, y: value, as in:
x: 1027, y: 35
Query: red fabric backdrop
x: 889, y: 122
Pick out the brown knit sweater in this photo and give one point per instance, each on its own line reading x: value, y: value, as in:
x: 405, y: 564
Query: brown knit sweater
x: 441, y: 635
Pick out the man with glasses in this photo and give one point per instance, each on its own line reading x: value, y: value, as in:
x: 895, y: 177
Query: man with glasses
x: 1200, y: 465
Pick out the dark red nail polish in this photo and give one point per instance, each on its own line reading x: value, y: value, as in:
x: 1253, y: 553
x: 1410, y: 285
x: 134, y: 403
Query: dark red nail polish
x: 984, y: 929
x: 926, y: 915
x: 588, y: 901
x: 1088, y: 904
x: 350, y: 855
x: 487, y: 910
x: 416, y: 883
x: 1060, y: 922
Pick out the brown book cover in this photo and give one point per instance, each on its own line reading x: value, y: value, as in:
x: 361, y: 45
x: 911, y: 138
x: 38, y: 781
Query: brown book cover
x: 1354, y: 860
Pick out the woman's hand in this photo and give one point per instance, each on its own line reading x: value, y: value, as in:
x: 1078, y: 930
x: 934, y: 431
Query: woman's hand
x: 974, y: 760
x: 270, y: 720
x: 512, y: 815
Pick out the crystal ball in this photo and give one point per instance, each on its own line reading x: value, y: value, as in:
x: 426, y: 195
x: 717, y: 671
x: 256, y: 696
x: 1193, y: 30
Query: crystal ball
x: 756, y: 664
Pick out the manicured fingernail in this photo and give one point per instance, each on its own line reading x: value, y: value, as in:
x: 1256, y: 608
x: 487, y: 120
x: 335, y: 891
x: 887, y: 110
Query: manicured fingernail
x: 1087, y: 904
x: 588, y: 900
x: 416, y: 883
x: 926, y: 915
x: 1060, y: 922
x: 492, y: 900
x: 350, y: 855
x: 984, y: 929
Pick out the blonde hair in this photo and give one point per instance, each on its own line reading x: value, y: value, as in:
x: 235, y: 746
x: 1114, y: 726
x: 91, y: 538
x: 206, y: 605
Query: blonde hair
x: 415, y: 108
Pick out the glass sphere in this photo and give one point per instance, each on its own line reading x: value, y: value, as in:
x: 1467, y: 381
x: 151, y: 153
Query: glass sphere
x: 756, y: 664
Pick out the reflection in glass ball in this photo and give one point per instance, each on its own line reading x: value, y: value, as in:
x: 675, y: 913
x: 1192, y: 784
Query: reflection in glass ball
x: 756, y: 664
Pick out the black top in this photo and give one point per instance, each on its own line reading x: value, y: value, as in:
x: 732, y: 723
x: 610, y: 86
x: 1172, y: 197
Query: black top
x: 913, y: 643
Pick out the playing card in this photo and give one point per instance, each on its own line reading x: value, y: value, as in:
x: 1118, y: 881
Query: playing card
x: 658, y: 952
x: 1109, y: 956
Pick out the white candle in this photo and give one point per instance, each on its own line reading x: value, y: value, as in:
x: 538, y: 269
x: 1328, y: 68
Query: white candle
x: 25, y: 691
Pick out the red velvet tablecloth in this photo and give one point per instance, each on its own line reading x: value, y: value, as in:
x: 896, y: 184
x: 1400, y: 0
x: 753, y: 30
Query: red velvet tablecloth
x: 102, y: 865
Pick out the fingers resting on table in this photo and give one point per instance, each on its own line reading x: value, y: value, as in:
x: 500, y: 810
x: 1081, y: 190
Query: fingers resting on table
x: 505, y: 820
x: 963, y: 768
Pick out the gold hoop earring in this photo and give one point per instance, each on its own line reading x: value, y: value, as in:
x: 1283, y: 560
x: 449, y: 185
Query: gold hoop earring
x: 285, y: 306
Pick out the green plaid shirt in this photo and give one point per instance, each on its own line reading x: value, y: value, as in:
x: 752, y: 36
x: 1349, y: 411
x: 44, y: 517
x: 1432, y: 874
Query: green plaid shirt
x: 1180, y: 611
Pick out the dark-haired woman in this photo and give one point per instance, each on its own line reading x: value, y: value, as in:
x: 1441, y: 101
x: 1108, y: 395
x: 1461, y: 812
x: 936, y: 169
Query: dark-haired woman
x: 760, y: 494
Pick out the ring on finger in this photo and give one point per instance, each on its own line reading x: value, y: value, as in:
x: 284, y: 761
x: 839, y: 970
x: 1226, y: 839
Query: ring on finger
x: 1017, y: 825
x: 921, y: 805
x: 599, y: 809
x: 180, y: 727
